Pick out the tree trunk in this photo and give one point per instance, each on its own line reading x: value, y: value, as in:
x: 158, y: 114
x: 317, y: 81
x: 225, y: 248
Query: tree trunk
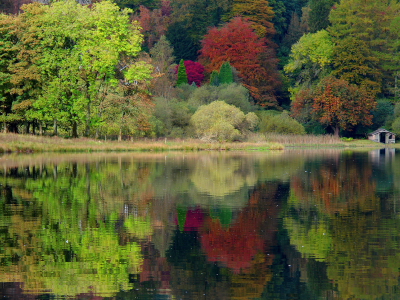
x: 336, y: 131
x: 27, y: 128
x: 40, y: 129
x: 120, y: 134
x: 33, y: 128
x: 87, y: 132
x: 97, y: 129
x: 87, y: 119
x: 54, y: 127
x: 4, y: 127
x: 120, y: 128
x: 74, y: 129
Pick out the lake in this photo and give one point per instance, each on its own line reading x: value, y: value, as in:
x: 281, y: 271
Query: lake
x: 294, y: 224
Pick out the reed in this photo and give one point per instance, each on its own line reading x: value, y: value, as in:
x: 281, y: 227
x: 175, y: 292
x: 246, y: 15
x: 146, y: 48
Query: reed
x: 10, y: 142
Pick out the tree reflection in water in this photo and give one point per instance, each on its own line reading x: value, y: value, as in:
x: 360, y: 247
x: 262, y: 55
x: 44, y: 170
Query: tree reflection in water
x: 305, y: 225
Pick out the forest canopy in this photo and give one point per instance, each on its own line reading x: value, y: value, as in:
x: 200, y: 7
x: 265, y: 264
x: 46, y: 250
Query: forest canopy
x: 105, y: 68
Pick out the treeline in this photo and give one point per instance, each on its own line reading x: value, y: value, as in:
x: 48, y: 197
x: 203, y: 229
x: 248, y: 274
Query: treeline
x: 110, y: 69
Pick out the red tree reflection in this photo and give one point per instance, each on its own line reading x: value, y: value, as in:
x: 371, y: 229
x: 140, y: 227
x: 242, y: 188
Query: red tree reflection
x: 251, y: 233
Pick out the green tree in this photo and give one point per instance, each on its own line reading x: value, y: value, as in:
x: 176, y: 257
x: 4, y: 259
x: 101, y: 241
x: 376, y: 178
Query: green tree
x: 183, y: 45
x: 319, y: 14
x: 225, y: 73
x: 181, y: 77
x: 214, y: 78
x: 310, y: 60
x: 354, y: 62
x: 377, y: 24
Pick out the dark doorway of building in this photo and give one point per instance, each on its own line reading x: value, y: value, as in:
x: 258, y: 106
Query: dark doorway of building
x: 382, y: 137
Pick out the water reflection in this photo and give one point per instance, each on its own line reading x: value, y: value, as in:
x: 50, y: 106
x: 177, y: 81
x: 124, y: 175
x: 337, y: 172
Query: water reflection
x: 293, y: 224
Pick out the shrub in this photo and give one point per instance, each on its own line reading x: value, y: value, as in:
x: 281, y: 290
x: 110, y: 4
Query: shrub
x: 203, y: 95
x: 233, y: 94
x: 170, y: 117
x: 282, y: 124
x: 184, y: 91
x: 162, y: 123
x: 221, y: 121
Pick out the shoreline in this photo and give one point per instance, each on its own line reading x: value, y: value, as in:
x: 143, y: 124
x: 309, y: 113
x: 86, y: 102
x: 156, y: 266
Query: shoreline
x: 20, y: 143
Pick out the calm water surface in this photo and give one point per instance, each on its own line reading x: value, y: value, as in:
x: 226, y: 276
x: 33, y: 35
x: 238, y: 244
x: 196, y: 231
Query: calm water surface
x: 280, y: 225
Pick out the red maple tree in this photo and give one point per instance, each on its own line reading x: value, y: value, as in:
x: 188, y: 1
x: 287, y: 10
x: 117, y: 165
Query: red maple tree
x: 237, y: 43
x: 194, y: 72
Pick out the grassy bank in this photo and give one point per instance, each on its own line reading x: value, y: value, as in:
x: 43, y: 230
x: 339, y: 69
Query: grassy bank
x: 321, y: 141
x: 28, y: 143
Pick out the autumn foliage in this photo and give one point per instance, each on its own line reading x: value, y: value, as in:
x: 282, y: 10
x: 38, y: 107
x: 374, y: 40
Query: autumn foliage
x: 237, y: 43
x: 337, y: 104
x: 258, y: 12
x: 194, y: 72
x: 154, y: 23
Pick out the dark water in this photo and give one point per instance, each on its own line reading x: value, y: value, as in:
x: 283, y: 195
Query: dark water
x: 281, y: 225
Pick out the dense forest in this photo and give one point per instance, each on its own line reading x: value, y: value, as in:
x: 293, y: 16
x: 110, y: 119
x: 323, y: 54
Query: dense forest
x: 199, y: 68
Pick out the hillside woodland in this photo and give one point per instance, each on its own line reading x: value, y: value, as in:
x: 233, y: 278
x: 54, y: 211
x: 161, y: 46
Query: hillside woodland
x: 215, y: 70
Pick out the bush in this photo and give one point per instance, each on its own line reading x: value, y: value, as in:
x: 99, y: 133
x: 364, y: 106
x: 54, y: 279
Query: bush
x: 162, y: 123
x: 233, y: 94
x: 169, y: 115
x: 282, y: 124
x: 203, y: 95
x: 221, y: 121
x: 184, y: 91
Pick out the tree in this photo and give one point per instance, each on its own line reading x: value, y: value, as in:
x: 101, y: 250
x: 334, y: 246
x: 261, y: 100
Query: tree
x: 319, y: 13
x: 183, y: 45
x: 225, y: 73
x: 8, y: 52
x: 63, y: 68
x: 194, y: 72
x: 237, y: 43
x: 153, y: 23
x: 377, y: 24
x: 310, y: 60
x: 181, y: 77
x: 162, y: 55
x: 297, y: 28
x: 354, y: 62
x: 214, y: 80
x: 258, y: 13
x: 25, y: 68
x: 162, y: 59
x: 341, y: 105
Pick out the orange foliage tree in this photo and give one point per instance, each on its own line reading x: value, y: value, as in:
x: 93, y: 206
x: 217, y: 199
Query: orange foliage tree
x: 154, y: 24
x: 338, y: 104
x: 237, y: 43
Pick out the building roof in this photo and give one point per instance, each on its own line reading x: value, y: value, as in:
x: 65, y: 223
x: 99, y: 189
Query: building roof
x: 380, y: 130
